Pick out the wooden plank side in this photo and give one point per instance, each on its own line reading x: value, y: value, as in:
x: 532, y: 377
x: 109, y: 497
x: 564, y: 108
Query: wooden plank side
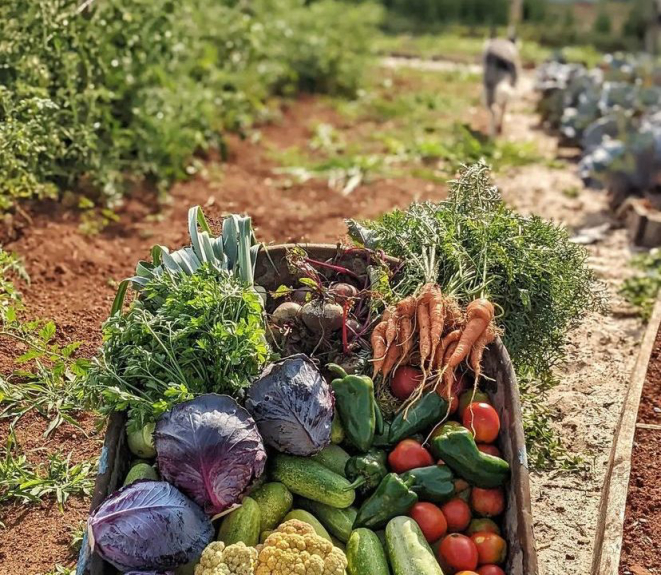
x: 608, y: 539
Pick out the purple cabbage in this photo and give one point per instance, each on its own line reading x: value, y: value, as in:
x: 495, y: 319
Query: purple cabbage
x: 148, y: 526
x: 210, y: 448
x: 150, y: 573
x: 293, y: 406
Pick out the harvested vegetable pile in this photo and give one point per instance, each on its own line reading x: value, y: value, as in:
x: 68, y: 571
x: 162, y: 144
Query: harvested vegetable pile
x: 304, y: 463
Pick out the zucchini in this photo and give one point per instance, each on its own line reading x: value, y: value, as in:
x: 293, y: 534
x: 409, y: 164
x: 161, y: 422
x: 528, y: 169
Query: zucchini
x: 310, y: 519
x: 312, y: 480
x: 365, y: 554
x: 274, y: 501
x: 333, y: 457
x: 409, y: 552
x: 242, y: 524
x: 338, y: 521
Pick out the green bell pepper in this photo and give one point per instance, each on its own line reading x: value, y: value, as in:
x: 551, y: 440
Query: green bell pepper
x: 356, y: 406
x: 433, y: 483
x: 423, y: 414
x: 366, y: 471
x: 392, y: 497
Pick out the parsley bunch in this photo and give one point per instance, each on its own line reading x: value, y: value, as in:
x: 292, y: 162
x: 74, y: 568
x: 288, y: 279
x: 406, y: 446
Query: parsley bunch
x: 185, y: 335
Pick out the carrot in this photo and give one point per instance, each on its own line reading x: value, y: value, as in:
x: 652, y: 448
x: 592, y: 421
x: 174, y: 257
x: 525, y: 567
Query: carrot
x: 391, y: 329
x: 477, y: 352
x: 391, y: 359
x: 436, y: 319
x: 425, y: 334
x: 406, y: 307
x: 454, y: 317
x: 479, y: 314
x: 452, y: 337
x: 405, y: 336
x: 379, y: 349
x: 448, y: 373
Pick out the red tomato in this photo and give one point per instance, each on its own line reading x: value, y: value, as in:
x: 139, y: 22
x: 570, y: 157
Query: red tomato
x: 467, y: 397
x: 404, y: 381
x: 462, y: 489
x: 486, y: 525
x: 458, y: 552
x: 490, y: 570
x: 467, y: 573
x: 409, y: 454
x: 483, y: 421
x: 430, y: 519
x: 491, y: 548
x: 443, y: 428
x: 490, y: 449
x: 457, y: 514
x: 487, y: 502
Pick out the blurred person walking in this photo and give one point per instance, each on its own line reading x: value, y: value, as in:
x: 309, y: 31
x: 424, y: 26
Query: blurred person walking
x: 500, y: 74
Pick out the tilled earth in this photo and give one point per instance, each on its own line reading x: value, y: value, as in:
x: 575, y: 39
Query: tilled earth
x: 73, y: 282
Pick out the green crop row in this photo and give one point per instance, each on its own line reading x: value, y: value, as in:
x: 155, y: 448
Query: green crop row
x: 97, y: 95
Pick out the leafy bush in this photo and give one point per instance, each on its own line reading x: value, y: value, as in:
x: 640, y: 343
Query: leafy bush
x: 136, y: 87
x: 642, y: 290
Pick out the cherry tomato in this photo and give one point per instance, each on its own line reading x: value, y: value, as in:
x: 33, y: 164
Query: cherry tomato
x: 490, y: 570
x: 458, y: 552
x: 491, y: 548
x: 404, y: 381
x: 467, y: 397
x: 457, y: 514
x: 484, y: 524
x: 409, y: 454
x: 490, y: 449
x: 482, y: 420
x: 430, y: 519
x: 487, y: 502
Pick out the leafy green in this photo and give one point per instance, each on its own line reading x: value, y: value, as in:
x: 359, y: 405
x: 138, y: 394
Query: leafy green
x: 642, y: 290
x: 185, y: 335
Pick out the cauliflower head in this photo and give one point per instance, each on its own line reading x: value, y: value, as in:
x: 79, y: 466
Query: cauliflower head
x: 295, y: 549
x: 219, y: 559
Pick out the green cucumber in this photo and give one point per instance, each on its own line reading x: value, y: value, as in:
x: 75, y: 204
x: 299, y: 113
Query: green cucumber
x: 338, y: 521
x: 274, y: 501
x: 365, y: 554
x: 333, y: 457
x: 337, y: 431
x: 140, y: 471
x: 312, y: 480
x: 310, y: 519
x: 242, y: 524
x: 409, y: 552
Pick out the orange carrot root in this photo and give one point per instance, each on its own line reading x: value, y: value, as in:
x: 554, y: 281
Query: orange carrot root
x: 379, y: 349
x: 479, y: 315
x: 405, y: 340
x: 425, y: 333
x: 452, y: 337
x: 477, y: 352
x: 391, y: 330
x: 391, y: 359
x: 436, y: 320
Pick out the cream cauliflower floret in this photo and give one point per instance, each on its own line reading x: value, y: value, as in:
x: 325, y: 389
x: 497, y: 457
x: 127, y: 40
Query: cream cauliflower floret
x: 219, y: 559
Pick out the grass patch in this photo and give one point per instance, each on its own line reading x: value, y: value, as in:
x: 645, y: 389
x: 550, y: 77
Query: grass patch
x: 642, y: 290
x: 571, y: 192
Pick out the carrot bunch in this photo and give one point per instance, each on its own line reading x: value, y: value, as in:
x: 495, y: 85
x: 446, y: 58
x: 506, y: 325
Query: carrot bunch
x: 445, y: 335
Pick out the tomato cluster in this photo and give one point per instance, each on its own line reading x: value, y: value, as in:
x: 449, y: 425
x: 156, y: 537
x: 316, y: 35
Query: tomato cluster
x: 463, y: 531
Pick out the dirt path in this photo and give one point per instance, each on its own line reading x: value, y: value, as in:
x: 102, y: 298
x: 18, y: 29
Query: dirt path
x: 588, y: 401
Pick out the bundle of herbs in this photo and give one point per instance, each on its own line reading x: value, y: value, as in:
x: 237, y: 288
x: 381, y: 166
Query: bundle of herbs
x: 185, y: 335
x: 474, y: 246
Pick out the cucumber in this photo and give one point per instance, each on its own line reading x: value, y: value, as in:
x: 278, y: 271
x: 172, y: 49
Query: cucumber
x: 409, y: 553
x: 140, y: 471
x: 310, y: 519
x: 312, y: 480
x: 141, y: 442
x: 337, y: 431
x: 365, y: 554
x: 333, y: 457
x: 274, y: 501
x: 338, y: 521
x: 242, y: 524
